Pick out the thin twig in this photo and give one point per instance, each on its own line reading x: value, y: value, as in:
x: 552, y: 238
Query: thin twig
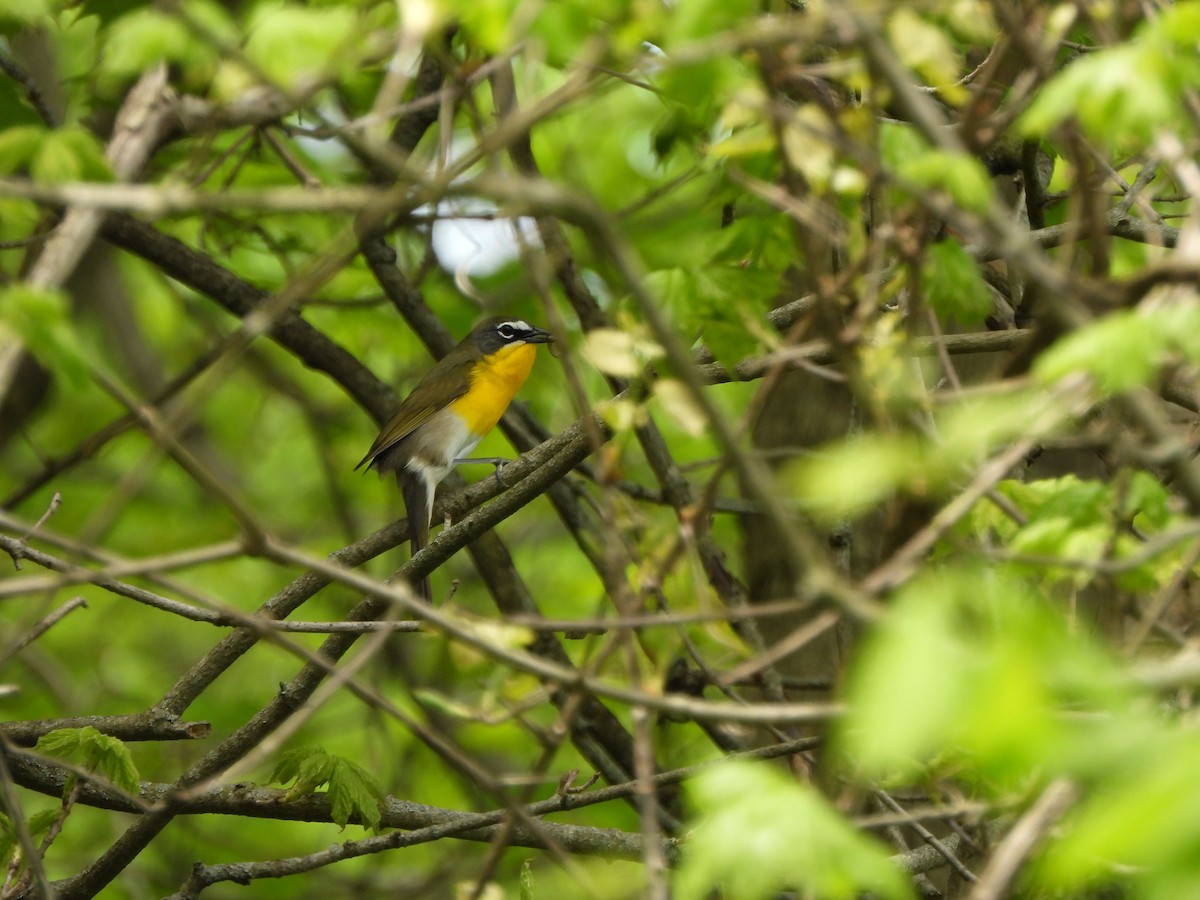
x: 16, y: 817
x: 17, y: 551
x: 927, y: 836
x: 32, y: 92
x: 40, y: 627
x: 995, y: 880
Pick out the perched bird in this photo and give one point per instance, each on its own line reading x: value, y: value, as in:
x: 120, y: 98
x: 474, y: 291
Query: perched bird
x: 450, y: 411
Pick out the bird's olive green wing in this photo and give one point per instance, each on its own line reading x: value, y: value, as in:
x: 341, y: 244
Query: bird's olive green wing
x: 444, y: 384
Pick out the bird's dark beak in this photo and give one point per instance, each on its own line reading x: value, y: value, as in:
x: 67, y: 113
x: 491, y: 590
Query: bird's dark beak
x: 539, y: 336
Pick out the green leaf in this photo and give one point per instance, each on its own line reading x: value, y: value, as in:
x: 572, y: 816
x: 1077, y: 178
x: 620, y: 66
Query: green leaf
x: 1059, y: 536
x: 973, y: 427
x: 698, y: 19
x: 674, y: 397
x: 89, y: 153
x: 15, y: 108
x: 287, y: 767
x: 953, y: 284
x: 310, y: 767
x: 293, y: 45
x: 69, y: 154
x: 1148, y: 500
x: 963, y: 177
x: 108, y: 11
x: 1179, y: 325
x: 915, y: 653
x: 619, y: 352
x: 19, y: 145
x: 1120, y: 352
x: 8, y: 839
x: 1179, y: 24
x: 17, y: 15
x: 900, y: 144
x: 565, y: 26
x: 807, y: 147
x: 38, y: 824
x: 759, y: 832
x: 42, y: 320
x: 927, y: 50
x: 847, y: 479
x: 987, y: 522
x: 723, y: 308
x: 1081, y: 501
x: 1076, y: 519
x: 355, y: 793
x: 758, y: 242
x: 314, y: 771
x: 487, y: 23
x: 1124, y: 95
x: 971, y: 668
x: 699, y: 90
x: 1106, y: 95
x: 96, y: 752
x: 526, y: 880
x: 55, y: 162
x: 971, y: 20
x: 213, y: 17
x: 907, y: 154
x: 1144, y: 822
x: 713, y: 302
x: 142, y: 39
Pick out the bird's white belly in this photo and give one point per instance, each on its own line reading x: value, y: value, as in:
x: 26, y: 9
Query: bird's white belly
x: 443, y: 439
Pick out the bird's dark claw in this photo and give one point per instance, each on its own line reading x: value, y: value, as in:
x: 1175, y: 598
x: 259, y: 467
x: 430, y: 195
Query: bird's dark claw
x: 498, y: 461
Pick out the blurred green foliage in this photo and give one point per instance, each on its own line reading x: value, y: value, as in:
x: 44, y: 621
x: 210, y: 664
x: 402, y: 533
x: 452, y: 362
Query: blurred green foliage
x: 759, y: 832
x: 984, y: 674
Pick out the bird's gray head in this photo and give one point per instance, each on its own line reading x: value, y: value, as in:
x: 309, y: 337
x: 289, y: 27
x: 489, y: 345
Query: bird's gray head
x: 499, y: 331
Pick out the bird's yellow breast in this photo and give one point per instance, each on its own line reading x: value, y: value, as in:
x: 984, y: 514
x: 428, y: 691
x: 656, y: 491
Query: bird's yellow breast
x: 494, y: 381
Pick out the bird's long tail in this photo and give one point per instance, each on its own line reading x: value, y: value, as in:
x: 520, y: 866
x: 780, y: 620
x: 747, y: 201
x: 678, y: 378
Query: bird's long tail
x: 418, y: 506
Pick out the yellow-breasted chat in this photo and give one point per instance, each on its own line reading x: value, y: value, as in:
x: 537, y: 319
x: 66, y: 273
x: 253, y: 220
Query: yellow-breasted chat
x: 450, y: 411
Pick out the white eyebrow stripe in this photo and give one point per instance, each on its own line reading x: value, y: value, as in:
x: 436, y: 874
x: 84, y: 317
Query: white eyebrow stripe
x: 515, y: 325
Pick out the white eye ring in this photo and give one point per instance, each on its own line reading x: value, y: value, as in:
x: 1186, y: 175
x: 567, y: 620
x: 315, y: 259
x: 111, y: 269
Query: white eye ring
x: 506, y: 331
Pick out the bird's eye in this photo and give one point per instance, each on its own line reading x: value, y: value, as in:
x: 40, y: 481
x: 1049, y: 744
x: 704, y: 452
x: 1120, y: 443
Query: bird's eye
x: 506, y: 331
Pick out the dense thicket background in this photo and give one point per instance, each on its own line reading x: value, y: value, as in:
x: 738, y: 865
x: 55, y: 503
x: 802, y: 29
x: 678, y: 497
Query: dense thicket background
x: 865, y: 453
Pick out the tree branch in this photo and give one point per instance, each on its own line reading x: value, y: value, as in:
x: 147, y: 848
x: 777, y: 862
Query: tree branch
x: 147, y: 726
